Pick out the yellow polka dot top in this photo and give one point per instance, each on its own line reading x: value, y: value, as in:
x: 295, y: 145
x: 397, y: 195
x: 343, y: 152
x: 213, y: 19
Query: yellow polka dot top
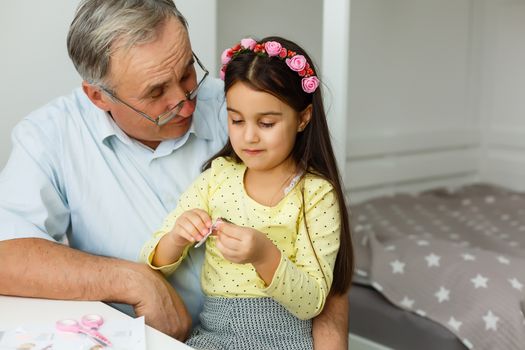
x: 304, y: 275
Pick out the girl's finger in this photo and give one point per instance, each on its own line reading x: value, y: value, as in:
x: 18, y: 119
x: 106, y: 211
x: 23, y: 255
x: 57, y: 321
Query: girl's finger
x: 204, y: 217
x: 200, y: 221
x: 187, y: 236
x: 228, y: 229
x: 226, y: 251
x: 228, y: 242
x: 185, y: 225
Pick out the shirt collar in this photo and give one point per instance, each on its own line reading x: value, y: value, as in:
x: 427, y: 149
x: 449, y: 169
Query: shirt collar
x: 108, y: 128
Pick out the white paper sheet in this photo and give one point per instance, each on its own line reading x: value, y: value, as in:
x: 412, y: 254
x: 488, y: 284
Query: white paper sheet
x: 129, y: 334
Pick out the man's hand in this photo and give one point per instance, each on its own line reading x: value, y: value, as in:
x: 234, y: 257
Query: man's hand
x: 161, y: 306
x: 54, y: 271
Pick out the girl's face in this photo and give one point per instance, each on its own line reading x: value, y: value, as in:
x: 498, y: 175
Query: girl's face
x: 262, y: 128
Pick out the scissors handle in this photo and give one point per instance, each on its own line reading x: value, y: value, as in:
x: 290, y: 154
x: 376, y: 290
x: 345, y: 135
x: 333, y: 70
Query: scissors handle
x: 88, y: 325
x: 92, y: 321
x: 97, y: 336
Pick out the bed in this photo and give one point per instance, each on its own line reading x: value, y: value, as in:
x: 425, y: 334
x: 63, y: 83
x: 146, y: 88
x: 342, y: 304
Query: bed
x: 444, y: 269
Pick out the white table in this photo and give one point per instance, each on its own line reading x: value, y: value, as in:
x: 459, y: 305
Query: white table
x: 16, y: 311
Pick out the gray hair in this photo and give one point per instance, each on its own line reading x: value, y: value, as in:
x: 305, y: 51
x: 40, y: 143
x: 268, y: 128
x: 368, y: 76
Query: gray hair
x: 99, y: 24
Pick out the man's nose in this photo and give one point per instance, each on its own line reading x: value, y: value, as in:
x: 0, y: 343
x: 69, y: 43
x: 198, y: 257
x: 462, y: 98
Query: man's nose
x: 175, y: 95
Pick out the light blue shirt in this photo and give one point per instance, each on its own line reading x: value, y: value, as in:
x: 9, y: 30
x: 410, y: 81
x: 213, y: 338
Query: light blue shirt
x: 73, y: 172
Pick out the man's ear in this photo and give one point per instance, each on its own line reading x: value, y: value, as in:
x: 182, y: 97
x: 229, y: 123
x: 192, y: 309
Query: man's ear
x: 95, y: 95
x: 304, y: 117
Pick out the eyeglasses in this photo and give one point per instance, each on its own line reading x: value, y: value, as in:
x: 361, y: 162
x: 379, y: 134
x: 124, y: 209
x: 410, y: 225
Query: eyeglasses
x: 168, y: 115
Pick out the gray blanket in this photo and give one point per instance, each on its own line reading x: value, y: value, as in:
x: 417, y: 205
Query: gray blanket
x: 457, y: 258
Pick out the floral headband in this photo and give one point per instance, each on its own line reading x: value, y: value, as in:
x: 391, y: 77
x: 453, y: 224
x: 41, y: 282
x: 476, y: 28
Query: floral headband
x: 295, y: 62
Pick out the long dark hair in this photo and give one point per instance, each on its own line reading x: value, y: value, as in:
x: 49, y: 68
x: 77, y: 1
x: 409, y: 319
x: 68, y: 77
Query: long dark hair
x: 313, y: 150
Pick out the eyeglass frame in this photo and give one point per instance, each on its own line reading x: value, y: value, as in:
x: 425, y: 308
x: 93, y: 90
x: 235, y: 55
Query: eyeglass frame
x: 171, y: 113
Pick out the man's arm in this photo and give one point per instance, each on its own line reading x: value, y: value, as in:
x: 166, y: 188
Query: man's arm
x: 33, y: 267
x: 330, y: 327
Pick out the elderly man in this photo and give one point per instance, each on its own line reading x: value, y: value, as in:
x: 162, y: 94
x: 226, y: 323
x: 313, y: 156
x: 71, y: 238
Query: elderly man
x: 103, y: 166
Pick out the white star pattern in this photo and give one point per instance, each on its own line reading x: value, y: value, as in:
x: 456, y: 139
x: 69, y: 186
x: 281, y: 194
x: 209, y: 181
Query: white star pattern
x: 358, y: 228
x: 503, y: 260
x: 406, y: 302
x: 455, y: 324
x: 432, y: 260
x: 361, y: 273
x: 468, y: 257
x: 398, y: 266
x: 516, y: 284
x: 448, y: 253
x: 442, y: 294
x: 480, y: 281
x: 491, y: 321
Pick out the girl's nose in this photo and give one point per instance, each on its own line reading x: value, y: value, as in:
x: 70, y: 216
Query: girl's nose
x: 250, y: 134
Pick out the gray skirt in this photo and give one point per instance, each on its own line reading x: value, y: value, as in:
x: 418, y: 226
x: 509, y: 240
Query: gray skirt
x: 249, y: 323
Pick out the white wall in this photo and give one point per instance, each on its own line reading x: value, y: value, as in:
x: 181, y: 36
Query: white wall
x: 502, y: 108
x: 297, y: 20
x: 34, y: 64
x: 202, y: 20
x: 35, y: 67
x: 435, y: 94
x: 411, y: 122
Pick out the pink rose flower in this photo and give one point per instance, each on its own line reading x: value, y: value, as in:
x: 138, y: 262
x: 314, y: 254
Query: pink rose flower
x: 222, y: 71
x: 310, y: 84
x: 273, y: 48
x: 248, y: 43
x: 226, y: 56
x: 296, y: 63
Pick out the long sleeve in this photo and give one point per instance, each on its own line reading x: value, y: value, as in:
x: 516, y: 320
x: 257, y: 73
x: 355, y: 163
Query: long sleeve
x: 196, y: 196
x: 301, y: 283
x: 32, y: 200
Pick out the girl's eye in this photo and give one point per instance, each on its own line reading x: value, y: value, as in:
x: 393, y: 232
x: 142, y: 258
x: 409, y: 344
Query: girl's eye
x: 237, y: 121
x: 267, y: 125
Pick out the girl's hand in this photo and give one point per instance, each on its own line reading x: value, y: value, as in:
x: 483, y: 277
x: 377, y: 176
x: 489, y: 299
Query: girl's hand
x: 246, y: 245
x: 190, y: 227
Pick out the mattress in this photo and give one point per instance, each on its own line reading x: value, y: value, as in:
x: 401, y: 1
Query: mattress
x: 440, y: 266
x: 373, y: 317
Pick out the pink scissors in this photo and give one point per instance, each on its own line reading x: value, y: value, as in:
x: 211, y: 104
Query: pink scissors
x: 89, y: 325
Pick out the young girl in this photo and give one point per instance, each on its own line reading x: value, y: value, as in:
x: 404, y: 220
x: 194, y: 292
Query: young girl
x: 273, y: 199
